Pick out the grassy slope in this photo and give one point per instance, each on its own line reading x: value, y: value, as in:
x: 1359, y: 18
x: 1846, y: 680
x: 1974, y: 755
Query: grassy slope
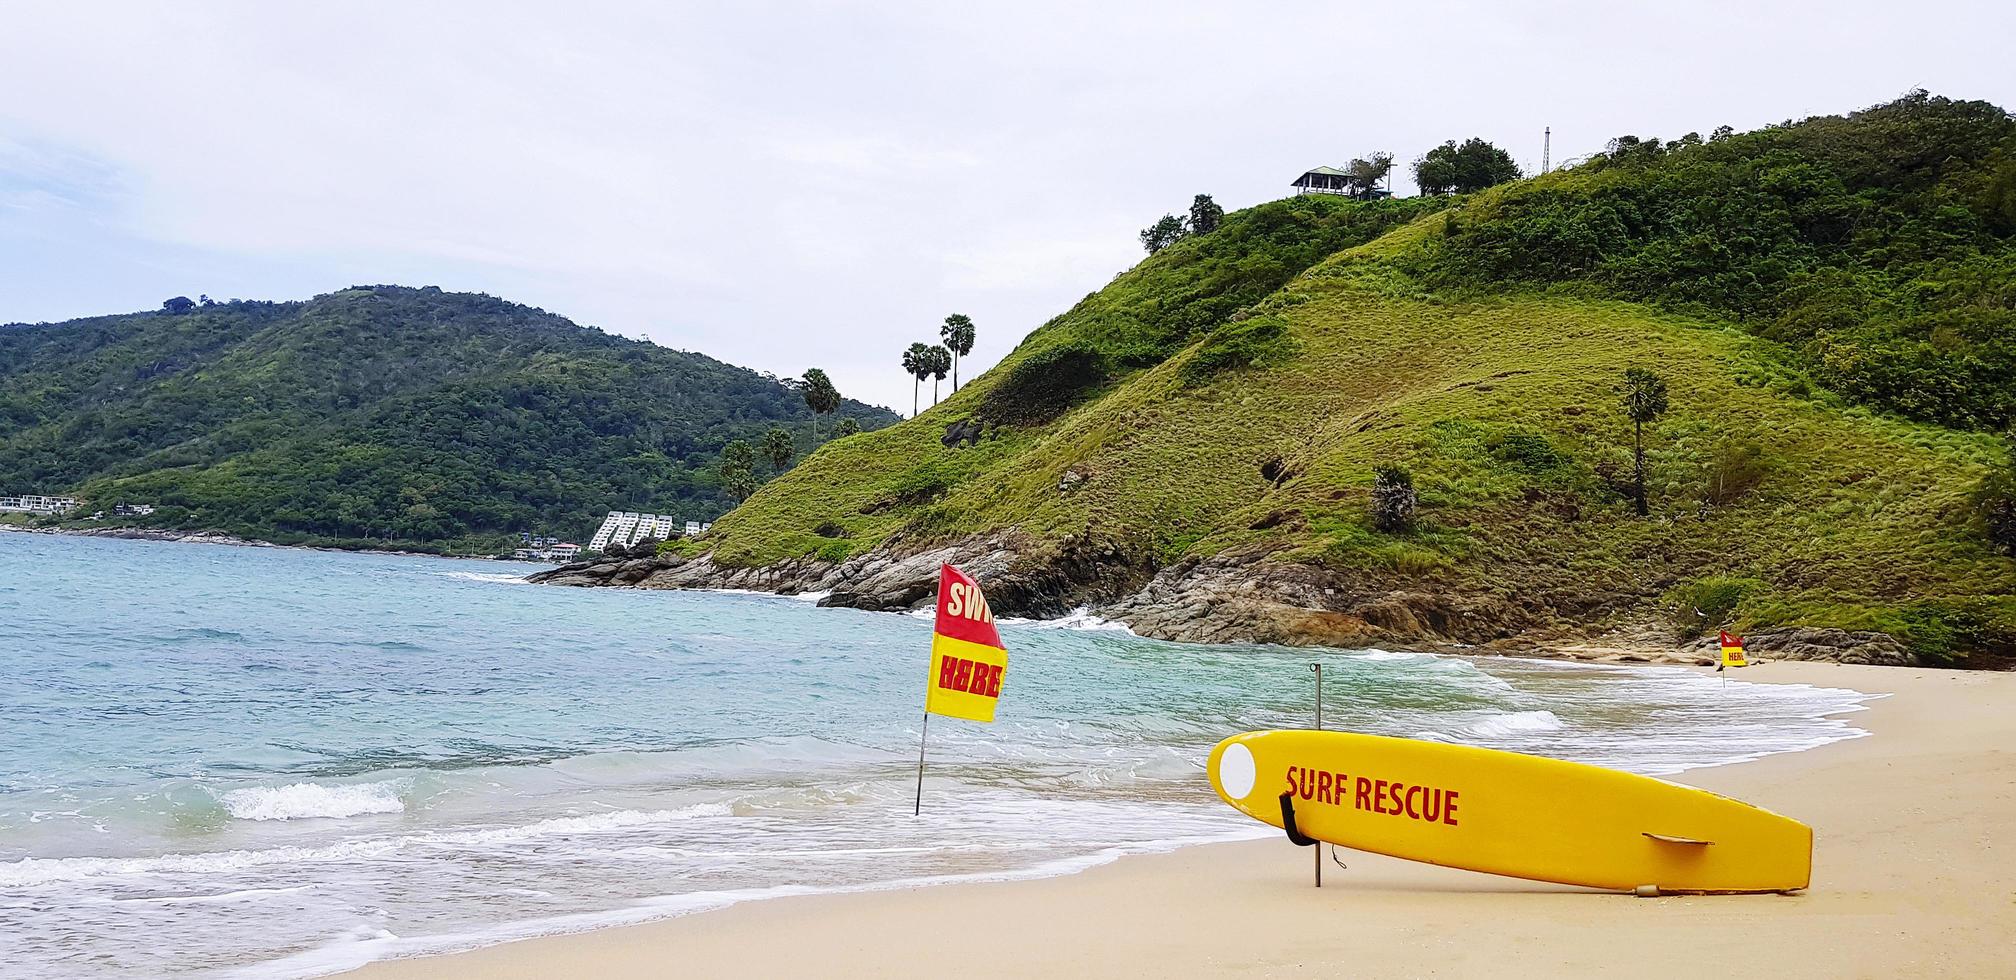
x: 1504, y: 407
x: 876, y: 484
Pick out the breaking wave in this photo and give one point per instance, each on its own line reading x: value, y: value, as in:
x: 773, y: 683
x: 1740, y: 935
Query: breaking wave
x: 1517, y: 723
x: 500, y: 578
x: 29, y: 872
x: 309, y: 801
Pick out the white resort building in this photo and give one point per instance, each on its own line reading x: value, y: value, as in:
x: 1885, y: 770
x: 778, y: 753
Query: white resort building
x: 552, y: 549
x: 32, y: 503
x: 626, y: 528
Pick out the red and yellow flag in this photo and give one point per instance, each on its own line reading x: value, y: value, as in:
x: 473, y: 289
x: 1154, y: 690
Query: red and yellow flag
x: 1732, y: 651
x: 967, y: 658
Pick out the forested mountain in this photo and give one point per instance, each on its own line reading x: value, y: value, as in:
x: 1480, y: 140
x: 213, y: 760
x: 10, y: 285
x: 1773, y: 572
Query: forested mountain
x: 380, y: 415
x: 1353, y: 422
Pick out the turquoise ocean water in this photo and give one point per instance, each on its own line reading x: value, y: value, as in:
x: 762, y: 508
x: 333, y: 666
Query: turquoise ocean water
x: 221, y: 761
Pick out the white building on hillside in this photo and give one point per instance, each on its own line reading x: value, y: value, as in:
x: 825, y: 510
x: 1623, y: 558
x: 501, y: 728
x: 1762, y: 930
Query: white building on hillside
x: 32, y: 503
x: 549, y: 550
x: 627, y: 528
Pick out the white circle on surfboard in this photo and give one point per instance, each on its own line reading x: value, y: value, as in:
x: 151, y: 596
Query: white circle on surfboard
x: 1236, y: 771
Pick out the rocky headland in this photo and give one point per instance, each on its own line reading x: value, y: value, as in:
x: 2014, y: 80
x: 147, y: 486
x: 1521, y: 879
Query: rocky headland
x: 1234, y: 597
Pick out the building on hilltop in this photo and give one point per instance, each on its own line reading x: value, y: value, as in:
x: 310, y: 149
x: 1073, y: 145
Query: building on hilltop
x: 1323, y: 180
x: 1330, y: 180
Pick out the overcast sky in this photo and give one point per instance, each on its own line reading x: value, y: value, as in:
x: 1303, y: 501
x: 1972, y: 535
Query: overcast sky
x: 785, y: 186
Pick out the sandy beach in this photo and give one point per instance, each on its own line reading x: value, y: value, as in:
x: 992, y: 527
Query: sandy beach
x: 1914, y: 874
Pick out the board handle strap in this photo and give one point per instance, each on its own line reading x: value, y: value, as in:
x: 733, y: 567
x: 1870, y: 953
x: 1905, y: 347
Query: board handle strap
x: 1288, y: 821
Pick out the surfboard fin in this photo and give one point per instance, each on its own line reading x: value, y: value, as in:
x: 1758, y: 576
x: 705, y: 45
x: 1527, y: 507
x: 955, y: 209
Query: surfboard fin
x: 1288, y: 821
x: 1670, y: 839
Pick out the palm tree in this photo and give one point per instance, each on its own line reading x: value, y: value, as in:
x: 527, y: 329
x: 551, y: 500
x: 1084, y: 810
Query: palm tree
x: 914, y: 361
x: 940, y: 362
x: 738, y: 470
x: 958, y: 334
x: 777, y: 448
x: 1644, y: 401
x: 820, y: 396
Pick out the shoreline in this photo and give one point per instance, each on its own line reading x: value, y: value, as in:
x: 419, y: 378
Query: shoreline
x: 1906, y: 879
x: 227, y: 540
x: 1249, y: 602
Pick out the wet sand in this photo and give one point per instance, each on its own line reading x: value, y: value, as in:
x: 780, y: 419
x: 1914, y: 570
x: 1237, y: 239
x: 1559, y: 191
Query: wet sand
x: 1914, y: 874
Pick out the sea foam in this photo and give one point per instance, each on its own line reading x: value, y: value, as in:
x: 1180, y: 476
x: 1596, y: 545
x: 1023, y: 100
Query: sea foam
x: 1080, y: 618
x: 45, y: 871
x: 499, y: 578
x: 1517, y: 723
x: 307, y: 801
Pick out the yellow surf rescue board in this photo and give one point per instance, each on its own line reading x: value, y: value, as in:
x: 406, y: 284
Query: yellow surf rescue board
x: 1509, y: 814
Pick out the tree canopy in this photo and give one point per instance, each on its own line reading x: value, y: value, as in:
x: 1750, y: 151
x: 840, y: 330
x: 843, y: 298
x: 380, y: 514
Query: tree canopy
x: 1644, y: 401
x: 1166, y: 231
x: 917, y: 363
x: 1365, y: 174
x: 737, y: 470
x: 1205, y: 215
x: 777, y: 449
x: 820, y: 396
x: 937, y: 363
x: 1464, y: 169
x: 957, y: 332
x: 1878, y: 246
x: 376, y: 416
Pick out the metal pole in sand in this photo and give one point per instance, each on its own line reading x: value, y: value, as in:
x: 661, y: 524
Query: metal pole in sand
x: 1318, y: 668
x: 919, y: 807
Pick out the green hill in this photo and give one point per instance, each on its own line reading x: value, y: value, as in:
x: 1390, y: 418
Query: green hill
x: 1192, y: 448
x: 376, y: 416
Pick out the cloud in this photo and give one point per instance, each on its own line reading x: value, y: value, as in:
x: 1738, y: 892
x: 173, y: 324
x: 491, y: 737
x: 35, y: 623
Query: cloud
x: 785, y: 185
x: 1042, y: 263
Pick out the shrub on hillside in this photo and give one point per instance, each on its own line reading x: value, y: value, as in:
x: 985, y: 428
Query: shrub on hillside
x: 1161, y: 306
x: 1393, y: 498
x: 1255, y: 342
x: 923, y: 483
x: 1708, y: 603
x: 1996, y: 500
x: 1877, y: 244
x: 1528, y: 451
x: 1737, y: 468
x: 1043, y: 385
x: 1945, y: 632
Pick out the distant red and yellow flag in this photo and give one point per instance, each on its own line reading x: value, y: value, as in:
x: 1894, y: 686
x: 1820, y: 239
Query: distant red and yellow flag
x: 1732, y: 651
x: 967, y: 658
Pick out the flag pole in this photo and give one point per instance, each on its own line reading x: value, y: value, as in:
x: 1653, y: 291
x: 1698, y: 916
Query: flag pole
x: 918, y: 809
x: 1318, y: 668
